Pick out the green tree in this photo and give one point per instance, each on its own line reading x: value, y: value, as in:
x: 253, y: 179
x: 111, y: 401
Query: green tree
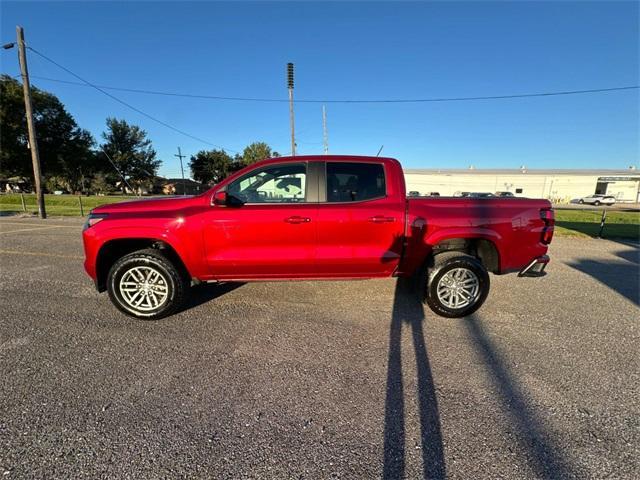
x: 80, y: 162
x: 100, y: 184
x: 131, y: 152
x: 257, y: 151
x: 64, y: 147
x: 54, y: 182
x: 210, y: 166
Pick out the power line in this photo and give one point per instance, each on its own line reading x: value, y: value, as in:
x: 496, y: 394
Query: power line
x: 282, y: 100
x: 116, y: 169
x: 135, y: 109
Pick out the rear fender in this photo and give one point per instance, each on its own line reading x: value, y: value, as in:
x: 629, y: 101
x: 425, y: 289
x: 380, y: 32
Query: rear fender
x: 420, y: 251
x: 451, y: 233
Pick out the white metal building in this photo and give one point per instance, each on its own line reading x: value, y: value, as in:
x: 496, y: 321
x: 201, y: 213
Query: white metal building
x: 560, y: 186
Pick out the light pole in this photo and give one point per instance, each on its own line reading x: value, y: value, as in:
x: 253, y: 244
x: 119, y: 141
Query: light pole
x: 31, y: 128
x: 291, y: 119
x: 325, y: 135
x: 180, y: 156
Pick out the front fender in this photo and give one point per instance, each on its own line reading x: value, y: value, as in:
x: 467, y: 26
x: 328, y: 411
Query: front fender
x: 174, y: 233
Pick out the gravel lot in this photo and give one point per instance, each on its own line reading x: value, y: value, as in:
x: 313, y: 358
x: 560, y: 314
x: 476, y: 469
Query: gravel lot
x: 318, y: 379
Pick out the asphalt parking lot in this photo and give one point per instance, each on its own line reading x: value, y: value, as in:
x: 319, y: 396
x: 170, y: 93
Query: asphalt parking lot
x: 318, y: 379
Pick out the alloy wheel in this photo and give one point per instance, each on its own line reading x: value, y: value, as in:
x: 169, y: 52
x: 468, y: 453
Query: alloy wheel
x: 144, y: 288
x: 458, y: 288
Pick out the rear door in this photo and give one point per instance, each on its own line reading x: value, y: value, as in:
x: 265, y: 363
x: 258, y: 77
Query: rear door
x: 360, y: 227
x: 273, y: 233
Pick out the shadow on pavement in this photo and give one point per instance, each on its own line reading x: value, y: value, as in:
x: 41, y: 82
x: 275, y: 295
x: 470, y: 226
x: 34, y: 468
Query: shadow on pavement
x: 632, y: 256
x: 546, y: 458
x: 10, y: 213
x: 622, y: 277
x: 208, y: 291
x: 407, y: 309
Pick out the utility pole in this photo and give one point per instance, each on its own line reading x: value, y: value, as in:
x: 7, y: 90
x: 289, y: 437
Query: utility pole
x: 180, y: 156
x: 325, y: 136
x: 291, y: 119
x: 33, y: 141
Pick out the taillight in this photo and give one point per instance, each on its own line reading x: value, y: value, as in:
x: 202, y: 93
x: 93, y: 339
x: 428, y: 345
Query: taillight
x: 548, y: 217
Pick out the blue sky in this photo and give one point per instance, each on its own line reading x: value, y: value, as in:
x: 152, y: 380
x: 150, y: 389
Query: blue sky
x: 353, y: 51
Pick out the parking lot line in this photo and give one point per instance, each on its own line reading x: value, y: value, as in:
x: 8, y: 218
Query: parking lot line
x: 22, y: 224
x: 31, y: 229
x: 40, y: 254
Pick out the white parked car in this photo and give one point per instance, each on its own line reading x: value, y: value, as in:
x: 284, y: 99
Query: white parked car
x: 597, y: 199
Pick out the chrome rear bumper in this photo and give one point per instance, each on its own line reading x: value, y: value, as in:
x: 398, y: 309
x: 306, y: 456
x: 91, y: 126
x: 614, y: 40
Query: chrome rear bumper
x: 535, y: 268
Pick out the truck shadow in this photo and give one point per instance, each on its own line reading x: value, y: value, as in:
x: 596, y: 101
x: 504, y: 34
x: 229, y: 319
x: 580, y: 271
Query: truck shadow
x: 545, y: 456
x: 208, y: 291
x: 407, y: 309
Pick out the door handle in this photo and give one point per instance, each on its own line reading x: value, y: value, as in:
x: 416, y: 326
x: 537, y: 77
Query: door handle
x: 382, y: 219
x: 297, y: 219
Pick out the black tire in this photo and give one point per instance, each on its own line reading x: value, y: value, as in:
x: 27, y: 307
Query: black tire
x: 446, y: 262
x: 173, y: 284
x: 581, y: 202
x: 596, y: 203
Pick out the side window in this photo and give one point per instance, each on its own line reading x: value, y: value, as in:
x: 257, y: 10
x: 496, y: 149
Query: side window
x: 353, y: 182
x: 273, y: 184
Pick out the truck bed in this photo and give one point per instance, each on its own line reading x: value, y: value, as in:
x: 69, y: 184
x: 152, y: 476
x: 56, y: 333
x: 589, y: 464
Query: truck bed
x: 506, y: 222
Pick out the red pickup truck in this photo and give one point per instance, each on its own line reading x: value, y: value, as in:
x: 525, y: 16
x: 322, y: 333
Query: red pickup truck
x: 313, y: 217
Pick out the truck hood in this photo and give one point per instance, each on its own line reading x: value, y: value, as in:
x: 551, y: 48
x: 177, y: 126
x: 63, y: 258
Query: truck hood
x: 146, y: 204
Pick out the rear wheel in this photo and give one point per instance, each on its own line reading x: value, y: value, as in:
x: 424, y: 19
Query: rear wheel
x: 581, y: 201
x: 457, y: 285
x: 597, y: 203
x: 146, y: 285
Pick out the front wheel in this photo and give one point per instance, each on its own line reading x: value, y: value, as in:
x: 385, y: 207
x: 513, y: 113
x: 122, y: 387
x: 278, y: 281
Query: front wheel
x: 581, y: 202
x: 146, y: 285
x: 457, y: 285
x: 597, y: 203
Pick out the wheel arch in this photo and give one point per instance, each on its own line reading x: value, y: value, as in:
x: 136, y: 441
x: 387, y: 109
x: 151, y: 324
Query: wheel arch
x: 115, y: 249
x: 482, y: 248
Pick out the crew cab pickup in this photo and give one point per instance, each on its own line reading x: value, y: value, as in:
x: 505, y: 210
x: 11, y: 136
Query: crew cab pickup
x: 313, y: 217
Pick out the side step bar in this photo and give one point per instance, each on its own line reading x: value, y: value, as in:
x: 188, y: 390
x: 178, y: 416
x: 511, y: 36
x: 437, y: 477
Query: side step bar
x: 535, y: 268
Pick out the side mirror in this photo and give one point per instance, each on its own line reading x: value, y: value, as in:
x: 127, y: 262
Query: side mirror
x: 220, y: 198
x: 224, y: 199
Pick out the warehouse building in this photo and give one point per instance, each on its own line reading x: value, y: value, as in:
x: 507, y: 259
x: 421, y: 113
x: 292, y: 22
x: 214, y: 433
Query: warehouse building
x: 559, y: 186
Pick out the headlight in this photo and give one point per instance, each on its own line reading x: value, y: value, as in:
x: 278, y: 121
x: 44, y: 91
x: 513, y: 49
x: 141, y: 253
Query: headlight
x: 94, y: 218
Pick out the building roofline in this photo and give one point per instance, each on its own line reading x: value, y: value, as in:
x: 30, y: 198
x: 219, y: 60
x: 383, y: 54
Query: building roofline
x: 528, y: 171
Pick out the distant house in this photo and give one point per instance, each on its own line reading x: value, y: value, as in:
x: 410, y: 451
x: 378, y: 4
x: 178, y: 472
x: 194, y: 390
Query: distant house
x: 177, y: 186
x: 15, y: 185
x: 136, y: 189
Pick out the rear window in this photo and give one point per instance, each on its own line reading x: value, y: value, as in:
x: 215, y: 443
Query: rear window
x: 354, y: 182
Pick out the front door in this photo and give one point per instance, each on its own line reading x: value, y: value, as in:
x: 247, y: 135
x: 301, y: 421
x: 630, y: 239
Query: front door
x: 272, y: 234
